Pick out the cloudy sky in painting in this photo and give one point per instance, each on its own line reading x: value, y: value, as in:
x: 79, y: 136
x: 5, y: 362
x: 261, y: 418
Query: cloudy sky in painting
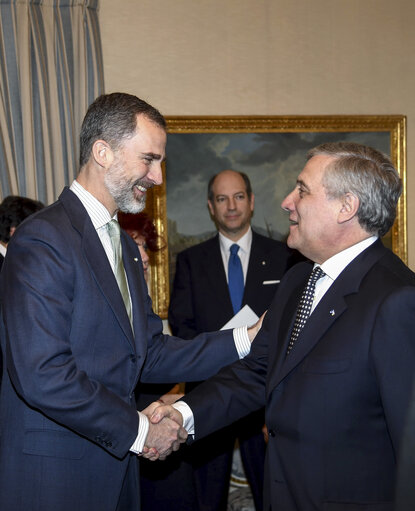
x: 271, y: 160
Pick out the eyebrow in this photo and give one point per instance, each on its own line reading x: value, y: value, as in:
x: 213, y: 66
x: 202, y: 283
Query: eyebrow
x: 230, y: 195
x: 155, y: 156
x: 301, y: 183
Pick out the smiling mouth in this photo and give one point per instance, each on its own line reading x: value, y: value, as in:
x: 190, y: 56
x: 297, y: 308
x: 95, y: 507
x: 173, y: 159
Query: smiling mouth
x: 140, y: 189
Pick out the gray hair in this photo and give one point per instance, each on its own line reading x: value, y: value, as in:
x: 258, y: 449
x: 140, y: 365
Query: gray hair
x: 113, y: 118
x: 369, y: 175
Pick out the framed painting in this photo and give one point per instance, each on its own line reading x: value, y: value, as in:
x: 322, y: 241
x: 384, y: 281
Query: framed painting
x: 271, y: 151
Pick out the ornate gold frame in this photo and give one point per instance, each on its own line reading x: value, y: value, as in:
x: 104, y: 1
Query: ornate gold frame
x: 394, y: 124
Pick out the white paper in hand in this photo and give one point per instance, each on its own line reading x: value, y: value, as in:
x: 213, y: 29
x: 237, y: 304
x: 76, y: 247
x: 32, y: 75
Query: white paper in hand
x: 246, y: 316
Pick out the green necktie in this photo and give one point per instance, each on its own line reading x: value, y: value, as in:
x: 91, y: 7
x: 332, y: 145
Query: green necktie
x: 114, y: 232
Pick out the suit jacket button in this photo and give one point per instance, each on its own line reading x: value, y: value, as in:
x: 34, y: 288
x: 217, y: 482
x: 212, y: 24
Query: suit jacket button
x: 272, y: 433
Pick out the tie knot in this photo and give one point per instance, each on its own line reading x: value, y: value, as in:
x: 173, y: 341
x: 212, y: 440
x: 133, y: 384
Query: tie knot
x: 113, y: 228
x: 316, y: 274
x: 234, y: 249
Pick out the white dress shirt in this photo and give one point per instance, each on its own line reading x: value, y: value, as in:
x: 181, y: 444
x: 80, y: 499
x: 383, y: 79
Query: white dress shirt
x: 244, y: 251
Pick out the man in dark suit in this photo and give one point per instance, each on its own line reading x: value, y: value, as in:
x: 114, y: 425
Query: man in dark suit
x: 201, y: 302
x: 334, y: 371
x: 78, y: 331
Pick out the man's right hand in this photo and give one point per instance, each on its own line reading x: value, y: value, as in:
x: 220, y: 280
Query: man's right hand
x: 165, y: 433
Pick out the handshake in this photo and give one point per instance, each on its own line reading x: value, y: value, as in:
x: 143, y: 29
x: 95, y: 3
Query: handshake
x: 166, y: 432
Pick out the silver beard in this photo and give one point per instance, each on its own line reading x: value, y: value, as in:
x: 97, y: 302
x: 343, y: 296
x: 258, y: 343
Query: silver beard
x: 121, y: 190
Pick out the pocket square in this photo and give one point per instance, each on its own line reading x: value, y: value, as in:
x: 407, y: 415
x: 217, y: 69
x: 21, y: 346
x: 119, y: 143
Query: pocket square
x: 268, y: 282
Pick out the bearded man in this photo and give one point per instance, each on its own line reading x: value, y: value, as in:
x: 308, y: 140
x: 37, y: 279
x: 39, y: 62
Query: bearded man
x: 79, y: 334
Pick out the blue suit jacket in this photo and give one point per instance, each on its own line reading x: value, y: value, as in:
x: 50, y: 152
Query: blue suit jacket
x: 335, y: 407
x: 72, y: 362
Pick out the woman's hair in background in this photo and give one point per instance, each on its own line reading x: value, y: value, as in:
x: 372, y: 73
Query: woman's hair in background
x: 142, y: 225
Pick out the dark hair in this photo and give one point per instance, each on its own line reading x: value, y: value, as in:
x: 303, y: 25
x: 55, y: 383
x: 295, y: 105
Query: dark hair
x: 369, y: 175
x: 141, y: 224
x: 113, y: 118
x: 13, y: 210
x: 243, y: 176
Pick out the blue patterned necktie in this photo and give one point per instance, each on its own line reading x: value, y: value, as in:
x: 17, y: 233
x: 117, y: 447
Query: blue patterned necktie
x: 235, y: 278
x: 304, y: 307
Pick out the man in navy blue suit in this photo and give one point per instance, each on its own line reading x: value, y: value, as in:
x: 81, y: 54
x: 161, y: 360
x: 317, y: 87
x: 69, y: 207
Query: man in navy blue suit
x: 332, y: 365
x: 201, y: 302
x: 78, y: 332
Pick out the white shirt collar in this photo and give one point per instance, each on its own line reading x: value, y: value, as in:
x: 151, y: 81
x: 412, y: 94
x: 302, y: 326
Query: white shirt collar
x: 98, y: 213
x: 244, y: 242
x: 337, y: 263
x: 3, y: 250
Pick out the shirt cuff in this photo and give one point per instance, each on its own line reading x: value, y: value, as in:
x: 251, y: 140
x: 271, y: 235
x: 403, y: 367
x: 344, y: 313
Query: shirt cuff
x: 187, y: 414
x: 242, y: 342
x: 143, y: 425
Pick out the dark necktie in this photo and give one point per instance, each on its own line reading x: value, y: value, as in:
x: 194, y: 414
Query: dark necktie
x: 304, y: 307
x: 114, y: 232
x: 235, y: 278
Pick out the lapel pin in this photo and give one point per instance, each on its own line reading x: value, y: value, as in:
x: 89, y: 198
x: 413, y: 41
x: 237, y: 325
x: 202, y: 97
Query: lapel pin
x: 263, y: 263
x: 135, y: 259
x: 332, y: 312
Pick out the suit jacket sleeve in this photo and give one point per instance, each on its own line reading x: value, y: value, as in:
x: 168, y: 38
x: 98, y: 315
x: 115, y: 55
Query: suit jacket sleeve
x: 393, y: 355
x: 171, y: 359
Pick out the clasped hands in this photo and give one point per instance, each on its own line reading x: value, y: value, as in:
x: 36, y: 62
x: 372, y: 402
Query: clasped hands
x: 166, y: 432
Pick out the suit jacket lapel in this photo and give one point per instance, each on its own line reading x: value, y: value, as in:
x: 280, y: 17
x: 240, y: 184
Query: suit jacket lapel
x: 136, y: 284
x: 254, y: 274
x: 286, y: 315
x: 97, y: 259
x: 329, y: 310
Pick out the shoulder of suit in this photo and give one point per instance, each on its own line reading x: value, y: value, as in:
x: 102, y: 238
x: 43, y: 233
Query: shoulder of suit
x: 393, y: 268
x: 194, y: 250
x: 265, y: 240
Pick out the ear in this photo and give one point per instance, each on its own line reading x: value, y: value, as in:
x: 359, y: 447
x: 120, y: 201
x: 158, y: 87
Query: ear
x: 12, y: 231
x: 102, y: 153
x: 210, y: 206
x: 349, y: 205
x: 252, y: 202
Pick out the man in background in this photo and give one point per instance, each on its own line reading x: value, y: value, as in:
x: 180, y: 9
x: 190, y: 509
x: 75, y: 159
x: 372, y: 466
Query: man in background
x: 335, y: 358
x: 13, y: 210
x: 203, y: 300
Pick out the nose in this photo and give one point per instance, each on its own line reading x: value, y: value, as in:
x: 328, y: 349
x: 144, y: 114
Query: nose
x: 231, y: 203
x: 287, y: 204
x: 156, y: 174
